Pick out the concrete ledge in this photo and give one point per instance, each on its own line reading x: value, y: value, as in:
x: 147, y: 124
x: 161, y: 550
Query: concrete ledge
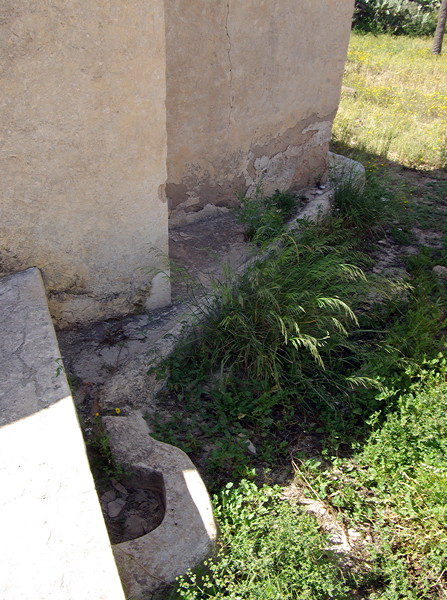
x: 187, y: 534
x: 54, y: 541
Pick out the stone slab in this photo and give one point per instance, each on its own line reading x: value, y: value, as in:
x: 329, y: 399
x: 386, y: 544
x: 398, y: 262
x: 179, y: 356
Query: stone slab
x: 344, y: 170
x: 29, y: 355
x: 54, y: 541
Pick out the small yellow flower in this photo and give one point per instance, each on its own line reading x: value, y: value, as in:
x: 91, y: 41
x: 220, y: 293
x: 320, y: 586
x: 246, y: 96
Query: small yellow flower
x: 117, y: 410
x: 96, y: 414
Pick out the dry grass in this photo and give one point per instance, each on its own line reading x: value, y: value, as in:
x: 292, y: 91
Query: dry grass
x: 399, y: 110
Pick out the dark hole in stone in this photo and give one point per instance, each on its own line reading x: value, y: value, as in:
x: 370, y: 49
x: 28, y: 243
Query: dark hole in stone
x: 133, y: 506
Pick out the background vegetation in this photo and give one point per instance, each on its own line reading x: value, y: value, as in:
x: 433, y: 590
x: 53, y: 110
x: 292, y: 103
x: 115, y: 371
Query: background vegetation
x: 397, y: 17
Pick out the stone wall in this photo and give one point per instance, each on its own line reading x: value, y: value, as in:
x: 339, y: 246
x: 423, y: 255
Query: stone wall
x: 252, y: 90
x: 84, y: 157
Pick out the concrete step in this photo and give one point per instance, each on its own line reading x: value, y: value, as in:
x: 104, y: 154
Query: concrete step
x: 54, y: 541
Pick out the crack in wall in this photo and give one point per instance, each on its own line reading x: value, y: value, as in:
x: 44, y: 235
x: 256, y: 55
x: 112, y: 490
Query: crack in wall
x: 230, y: 64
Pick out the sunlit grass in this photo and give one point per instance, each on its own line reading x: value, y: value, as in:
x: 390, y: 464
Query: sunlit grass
x: 399, y: 109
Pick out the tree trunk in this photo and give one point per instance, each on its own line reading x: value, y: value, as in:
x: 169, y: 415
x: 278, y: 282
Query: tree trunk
x: 440, y: 29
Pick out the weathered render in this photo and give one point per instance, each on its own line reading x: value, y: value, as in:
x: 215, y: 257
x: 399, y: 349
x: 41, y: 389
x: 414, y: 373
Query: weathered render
x: 112, y: 110
x: 83, y: 158
x: 187, y: 535
x: 252, y: 90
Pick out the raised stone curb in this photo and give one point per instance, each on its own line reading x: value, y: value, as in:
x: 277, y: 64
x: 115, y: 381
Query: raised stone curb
x: 54, y: 541
x: 187, y: 534
x: 122, y: 370
x: 342, y: 169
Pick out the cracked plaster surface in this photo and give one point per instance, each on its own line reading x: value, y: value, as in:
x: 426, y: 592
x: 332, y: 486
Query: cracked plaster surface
x: 230, y: 65
x: 84, y: 156
x: 28, y: 349
x: 279, y: 171
x: 251, y: 95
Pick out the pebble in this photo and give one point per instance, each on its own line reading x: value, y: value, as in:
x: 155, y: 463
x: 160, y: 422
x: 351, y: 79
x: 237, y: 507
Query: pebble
x: 250, y: 446
x: 120, y: 488
x: 134, y: 527
x: 440, y: 271
x: 108, y: 496
x: 349, y: 91
x: 114, y: 508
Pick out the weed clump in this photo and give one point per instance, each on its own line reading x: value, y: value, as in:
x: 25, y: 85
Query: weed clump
x: 274, y: 345
x: 264, y: 217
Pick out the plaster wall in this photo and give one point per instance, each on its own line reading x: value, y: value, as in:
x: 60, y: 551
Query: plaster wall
x: 252, y: 90
x: 104, y: 102
x: 83, y: 156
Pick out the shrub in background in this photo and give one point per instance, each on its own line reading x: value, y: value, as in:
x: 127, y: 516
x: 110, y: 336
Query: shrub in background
x: 398, y: 17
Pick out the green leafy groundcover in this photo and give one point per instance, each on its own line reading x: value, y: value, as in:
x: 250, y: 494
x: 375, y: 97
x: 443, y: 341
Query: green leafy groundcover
x: 395, y: 488
x: 404, y: 464
x: 283, y: 341
x: 269, y: 550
